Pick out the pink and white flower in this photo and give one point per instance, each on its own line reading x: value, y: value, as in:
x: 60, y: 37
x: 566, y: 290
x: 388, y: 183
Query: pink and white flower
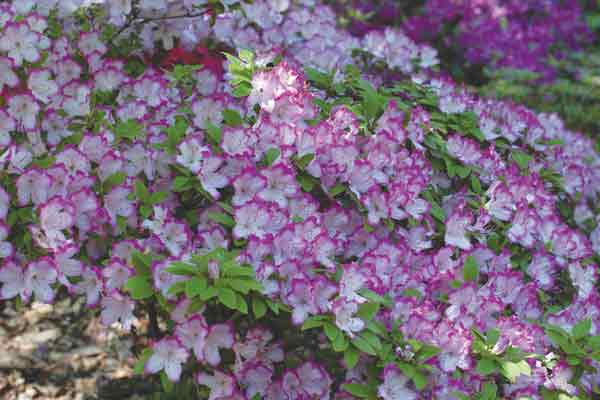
x: 168, y: 356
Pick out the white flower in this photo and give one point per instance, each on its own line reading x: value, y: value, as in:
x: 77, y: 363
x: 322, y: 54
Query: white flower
x: 118, y: 10
x: 191, y: 154
x: 24, y: 109
x: 221, y: 385
x: 583, y: 279
x: 153, y: 5
x: 7, y: 75
x: 168, y: 356
x: 115, y: 308
x: 394, y: 386
x: 456, y: 231
x: 13, y: 278
x: 22, y: 7
x: 42, y: 85
x: 220, y: 336
x: 39, y: 275
x: 344, y: 312
x: 20, y: 42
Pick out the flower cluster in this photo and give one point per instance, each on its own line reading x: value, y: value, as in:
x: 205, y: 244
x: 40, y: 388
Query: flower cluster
x: 503, y: 34
x: 438, y: 240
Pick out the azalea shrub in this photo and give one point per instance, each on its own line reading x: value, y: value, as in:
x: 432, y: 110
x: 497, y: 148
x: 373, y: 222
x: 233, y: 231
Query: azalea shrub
x: 298, y: 213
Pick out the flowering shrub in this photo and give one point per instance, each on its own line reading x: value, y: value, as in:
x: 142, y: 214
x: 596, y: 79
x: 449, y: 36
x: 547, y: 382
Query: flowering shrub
x: 292, y: 228
x: 504, y: 33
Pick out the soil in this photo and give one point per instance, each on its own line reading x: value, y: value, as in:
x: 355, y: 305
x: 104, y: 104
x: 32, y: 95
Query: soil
x: 61, y: 351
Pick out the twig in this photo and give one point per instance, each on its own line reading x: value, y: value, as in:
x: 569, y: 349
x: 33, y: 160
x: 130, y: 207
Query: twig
x: 132, y: 17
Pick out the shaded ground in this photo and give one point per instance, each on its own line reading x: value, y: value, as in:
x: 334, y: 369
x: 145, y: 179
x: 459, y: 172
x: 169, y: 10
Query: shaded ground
x: 61, y: 351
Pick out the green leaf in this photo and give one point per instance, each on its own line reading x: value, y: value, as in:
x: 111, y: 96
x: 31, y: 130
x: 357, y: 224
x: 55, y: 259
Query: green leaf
x: 411, y: 292
x: 511, y: 370
x: 234, y: 269
x: 486, y: 366
x: 582, y: 329
x: 358, y: 390
x: 372, y: 103
x: 139, y: 287
x: 182, y: 183
x: 166, y: 384
x: 419, y: 380
x: 371, y: 295
x: 141, y: 191
x: 145, y: 211
x: 242, y: 306
x: 475, y: 184
x: 270, y: 156
x: 242, y: 285
x: 232, y: 117
x: 138, y: 369
x: 427, y: 352
x: 195, y: 286
x: 363, y: 346
x: 312, y: 322
x: 522, y: 159
x: 227, y: 297
x: 114, y: 180
x: 259, y: 307
x: 319, y: 79
x: 222, y: 218
x: 157, y: 197
x: 181, y: 268
x: 337, y: 189
x: 225, y: 207
x: 461, y: 171
x: 214, y: 134
x: 437, y: 212
x: 489, y: 391
x: 372, y: 339
x: 176, y: 133
x: 331, y: 331
x: 340, y: 343
x: 306, y: 182
x: 594, y: 342
x: 303, y: 161
x: 351, y: 357
x: 367, y: 311
x: 129, y: 129
x: 209, y: 293
x: 142, y: 263
x: 242, y: 90
x: 177, y: 287
x: 470, y: 269
x: 246, y: 55
x: 492, y: 337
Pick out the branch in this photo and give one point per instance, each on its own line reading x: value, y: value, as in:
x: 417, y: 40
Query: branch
x: 131, y: 21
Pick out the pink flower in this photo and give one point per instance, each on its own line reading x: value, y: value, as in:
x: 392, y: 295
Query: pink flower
x: 20, y: 42
x: 192, y: 334
x: 39, y: 275
x: 116, y: 274
x: 345, y: 318
x: 168, y: 355
x: 24, y: 109
x: 57, y: 214
x: 221, y: 385
x: 12, y: 276
x: 456, y: 230
x: 117, y: 308
x: 90, y: 285
x: 300, y: 298
x: 394, y: 385
x: 220, y: 336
